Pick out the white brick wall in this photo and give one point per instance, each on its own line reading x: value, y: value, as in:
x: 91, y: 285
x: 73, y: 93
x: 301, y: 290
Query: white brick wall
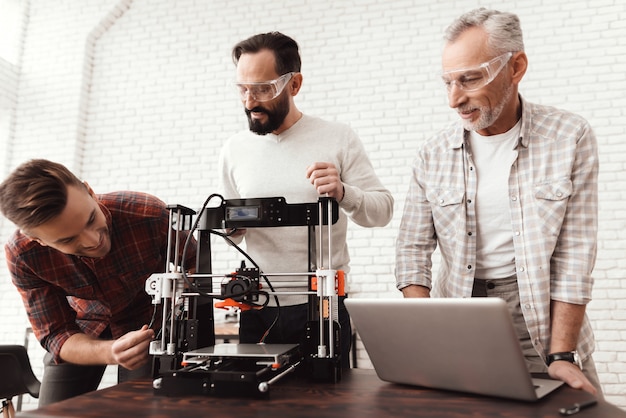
x: 136, y: 95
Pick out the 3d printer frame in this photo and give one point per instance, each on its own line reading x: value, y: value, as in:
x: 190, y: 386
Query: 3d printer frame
x: 186, y: 358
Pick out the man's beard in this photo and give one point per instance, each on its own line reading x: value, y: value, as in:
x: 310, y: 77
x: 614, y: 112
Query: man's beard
x: 275, y: 116
x: 488, y: 115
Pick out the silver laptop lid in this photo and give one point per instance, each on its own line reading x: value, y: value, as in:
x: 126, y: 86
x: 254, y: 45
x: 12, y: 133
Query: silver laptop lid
x: 466, y: 345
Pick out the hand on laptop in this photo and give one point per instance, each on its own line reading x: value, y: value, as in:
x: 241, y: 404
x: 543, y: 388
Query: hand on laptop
x: 572, y: 375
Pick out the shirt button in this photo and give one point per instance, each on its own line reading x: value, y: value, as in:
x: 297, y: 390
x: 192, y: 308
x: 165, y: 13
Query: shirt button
x: 469, y: 267
x: 522, y: 269
x: 469, y: 233
x: 441, y: 201
x: 514, y: 198
x: 517, y: 233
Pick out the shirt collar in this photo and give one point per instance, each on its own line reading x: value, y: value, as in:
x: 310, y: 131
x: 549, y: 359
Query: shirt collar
x: 106, y: 212
x: 526, y: 123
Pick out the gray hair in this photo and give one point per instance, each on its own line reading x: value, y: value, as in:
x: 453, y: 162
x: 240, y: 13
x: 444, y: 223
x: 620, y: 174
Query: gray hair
x: 503, y: 29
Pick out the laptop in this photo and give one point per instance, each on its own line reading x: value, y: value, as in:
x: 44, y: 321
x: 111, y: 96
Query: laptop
x: 466, y: 345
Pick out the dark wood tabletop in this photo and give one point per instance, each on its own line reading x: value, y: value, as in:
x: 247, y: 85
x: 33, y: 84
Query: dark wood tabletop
x: 360, y: 393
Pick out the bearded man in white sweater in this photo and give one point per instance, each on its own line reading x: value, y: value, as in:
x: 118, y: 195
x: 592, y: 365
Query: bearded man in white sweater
x: 299, y: 157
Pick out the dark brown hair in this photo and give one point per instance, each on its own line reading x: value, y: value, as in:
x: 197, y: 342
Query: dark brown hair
x: 36, y: 192
x: 285, y: 50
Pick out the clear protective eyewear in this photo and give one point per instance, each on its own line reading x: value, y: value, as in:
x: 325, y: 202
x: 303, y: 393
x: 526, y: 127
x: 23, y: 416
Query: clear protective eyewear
x: 472, y: 79
x: 264, y: 91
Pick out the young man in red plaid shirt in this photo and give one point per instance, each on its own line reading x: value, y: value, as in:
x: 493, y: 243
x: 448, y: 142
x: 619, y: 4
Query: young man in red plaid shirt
x: 80, y: 262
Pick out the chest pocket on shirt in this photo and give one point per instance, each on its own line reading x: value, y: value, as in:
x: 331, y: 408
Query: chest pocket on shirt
x: 446, y: 207
x: 551, y: 199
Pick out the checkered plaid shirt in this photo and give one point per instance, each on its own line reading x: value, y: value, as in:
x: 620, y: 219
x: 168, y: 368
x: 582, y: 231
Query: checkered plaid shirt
x: 553, y: 202
x: 66, y: 294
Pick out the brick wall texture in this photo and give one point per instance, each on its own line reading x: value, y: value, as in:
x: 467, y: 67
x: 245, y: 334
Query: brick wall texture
x: 138, y: 95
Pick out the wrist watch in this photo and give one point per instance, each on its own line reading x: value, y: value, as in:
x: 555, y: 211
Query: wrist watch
x: 570, y: 356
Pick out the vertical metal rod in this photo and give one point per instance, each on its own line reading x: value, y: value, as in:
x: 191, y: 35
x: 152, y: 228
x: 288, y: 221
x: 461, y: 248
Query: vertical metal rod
x: 174, y: 281
x: 173, y: 308
x: 329, y: 229
x: 179, y: 219
x: 332, y: 279
x: 167, y: 270
x: 320, y: 263
x: 320, y: 243
x: 169, y: 242
x: 164, y: 326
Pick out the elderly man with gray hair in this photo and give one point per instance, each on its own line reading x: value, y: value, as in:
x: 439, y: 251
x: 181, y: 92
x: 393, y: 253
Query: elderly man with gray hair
x: 509, y: 195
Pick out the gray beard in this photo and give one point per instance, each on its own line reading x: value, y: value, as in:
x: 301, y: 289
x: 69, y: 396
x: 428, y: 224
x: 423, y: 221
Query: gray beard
x: 488, y: 116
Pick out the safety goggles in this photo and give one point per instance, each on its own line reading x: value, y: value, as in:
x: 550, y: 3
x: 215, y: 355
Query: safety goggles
x: 263, y: 91
x: 472, y: 79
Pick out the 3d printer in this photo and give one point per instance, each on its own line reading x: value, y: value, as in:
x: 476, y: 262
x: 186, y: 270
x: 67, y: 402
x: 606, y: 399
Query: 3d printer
x: 186, y: 358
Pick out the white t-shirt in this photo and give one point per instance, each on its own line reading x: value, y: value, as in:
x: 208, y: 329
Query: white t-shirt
x: 493, y: 156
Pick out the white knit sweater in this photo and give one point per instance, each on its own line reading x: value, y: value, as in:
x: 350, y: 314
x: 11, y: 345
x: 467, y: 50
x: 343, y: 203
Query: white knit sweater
x: 253, y: 166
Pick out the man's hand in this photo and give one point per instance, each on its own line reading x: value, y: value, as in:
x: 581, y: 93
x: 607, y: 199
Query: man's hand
x: 572, y: 375
x: 131, y: 350
x: 325, y: 178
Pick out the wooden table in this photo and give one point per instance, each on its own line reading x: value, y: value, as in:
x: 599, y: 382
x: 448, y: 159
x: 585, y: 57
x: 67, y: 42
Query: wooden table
x: 359, y: 394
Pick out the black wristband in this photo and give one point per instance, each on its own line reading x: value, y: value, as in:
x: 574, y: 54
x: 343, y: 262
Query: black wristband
x: 569, y: 356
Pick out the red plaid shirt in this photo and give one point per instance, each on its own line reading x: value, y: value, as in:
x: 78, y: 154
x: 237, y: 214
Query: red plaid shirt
x: 66, y: 294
